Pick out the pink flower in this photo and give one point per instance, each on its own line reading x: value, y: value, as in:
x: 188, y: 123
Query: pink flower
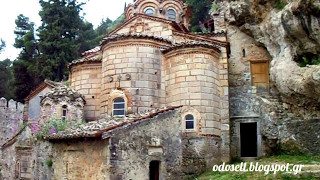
x: 52, y: 130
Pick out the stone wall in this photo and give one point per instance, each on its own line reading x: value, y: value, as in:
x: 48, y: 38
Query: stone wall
x: 191, y: 78
x: 11, y: 118
x: 135, y: 67
x: 81, y: 160
x: 278, y: 124
x: 160, y: 139
x: 86, y: 79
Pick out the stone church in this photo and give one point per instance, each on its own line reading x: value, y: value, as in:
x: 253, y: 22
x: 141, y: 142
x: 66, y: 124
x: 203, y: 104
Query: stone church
x: 153, y: 101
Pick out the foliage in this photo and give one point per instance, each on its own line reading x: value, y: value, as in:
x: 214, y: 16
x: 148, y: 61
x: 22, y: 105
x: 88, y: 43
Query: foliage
x: 24, y: 68
x: 306, y: 61
x: 63, y: 35
x: 2, y: 45
x: 280, y: 4
x: 214, y: 7
x: 200, y: 13
x: 6, y: 79
x: 51, y: 127
x: 49, y: 162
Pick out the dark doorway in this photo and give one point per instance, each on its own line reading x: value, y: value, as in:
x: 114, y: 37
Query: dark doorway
x: 248, y: 139
x: 154, y: 168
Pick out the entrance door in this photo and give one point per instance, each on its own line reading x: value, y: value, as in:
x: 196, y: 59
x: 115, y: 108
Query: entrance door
x: 154, y: 168
x: 260, y: 74
x: 248, y: 139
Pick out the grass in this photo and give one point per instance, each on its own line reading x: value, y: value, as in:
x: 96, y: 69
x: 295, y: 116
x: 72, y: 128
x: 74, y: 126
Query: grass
x: 280, y: 159
x: 280, y: 4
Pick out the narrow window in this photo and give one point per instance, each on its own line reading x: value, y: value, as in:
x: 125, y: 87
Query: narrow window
x: 171, y: 14
x: 149, y: 11
x: 64, y: 113
x: 189, y: 121
x: 119, y: 107
x: 243, y: 53
x: 18, y: 170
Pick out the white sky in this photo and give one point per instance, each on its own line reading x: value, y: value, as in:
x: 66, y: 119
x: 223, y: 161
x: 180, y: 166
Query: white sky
x: 95, y: 11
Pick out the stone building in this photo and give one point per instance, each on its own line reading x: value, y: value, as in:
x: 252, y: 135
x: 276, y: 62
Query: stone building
x: 154, y: 101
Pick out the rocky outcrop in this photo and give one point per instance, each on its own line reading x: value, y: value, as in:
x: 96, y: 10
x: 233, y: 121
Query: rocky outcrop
x: 288, y: 34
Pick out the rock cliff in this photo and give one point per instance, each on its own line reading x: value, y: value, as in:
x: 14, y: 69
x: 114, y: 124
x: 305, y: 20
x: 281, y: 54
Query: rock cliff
x: 289, y: 30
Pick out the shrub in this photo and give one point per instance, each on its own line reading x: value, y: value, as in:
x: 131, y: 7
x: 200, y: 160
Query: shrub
x: 53, y: 126
x: 280, y: 4
x: 308, y: 59
x: 49, y: 163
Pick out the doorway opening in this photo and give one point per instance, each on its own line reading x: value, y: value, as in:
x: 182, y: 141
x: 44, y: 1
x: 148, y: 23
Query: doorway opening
x: 154, y: 170
x: 248, y: 139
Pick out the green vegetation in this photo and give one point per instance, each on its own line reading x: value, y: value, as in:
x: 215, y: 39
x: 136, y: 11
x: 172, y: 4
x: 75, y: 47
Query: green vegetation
x: 62, y: 37
x: 280, y: 4
x: 53, y: 126
x: 6, y: 76
x: 305, y: 61
x: 200, y: 13
x: 49, y: 163
x: 2, y: 45
x: 214, y: 7
x: 281, y: 159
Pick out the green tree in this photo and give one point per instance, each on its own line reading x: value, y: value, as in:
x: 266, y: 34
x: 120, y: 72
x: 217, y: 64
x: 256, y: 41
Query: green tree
x: 63, y: 36
x: 25, y: 70
x: 5, y: 79
x: 2, y: 45
x: 200, y: 13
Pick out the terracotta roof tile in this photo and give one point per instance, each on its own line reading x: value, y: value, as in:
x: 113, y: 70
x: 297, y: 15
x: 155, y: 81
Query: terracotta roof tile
x: 133, y: 35
x: 95, y: 129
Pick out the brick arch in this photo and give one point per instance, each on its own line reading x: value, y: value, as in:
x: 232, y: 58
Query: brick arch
x: 130, y: 12
x: 173, y: 5
x: 196, y: 115
x: 125, y: 94
x: 152, y: 4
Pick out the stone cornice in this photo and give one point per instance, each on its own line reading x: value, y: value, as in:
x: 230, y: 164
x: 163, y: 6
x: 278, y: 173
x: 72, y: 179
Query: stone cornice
x: 154, y: 18
x: 202, y: 38
x: 131, y: 39
x: 182, y: 46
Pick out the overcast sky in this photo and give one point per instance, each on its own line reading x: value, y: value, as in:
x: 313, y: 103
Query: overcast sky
x: 95, y: 11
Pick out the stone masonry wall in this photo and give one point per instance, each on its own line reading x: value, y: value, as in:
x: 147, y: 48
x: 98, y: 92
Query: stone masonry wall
x: 86, y: 79
x: 80, y: 160
x: 11, y: 117
x: 192, y: 78
x: 134, y: 67
x: 148, y: 27
x: 160, y: 139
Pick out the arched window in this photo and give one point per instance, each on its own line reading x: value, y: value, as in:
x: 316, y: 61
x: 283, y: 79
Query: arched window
x: 119, y: 107
x: 149, y: 11
x: 64, y: 113
x: 189, y: 121
x: 171, y: 14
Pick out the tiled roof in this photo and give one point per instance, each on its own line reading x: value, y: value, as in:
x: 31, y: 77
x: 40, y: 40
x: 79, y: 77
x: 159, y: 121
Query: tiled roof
x: 92, y: 55
x: 87, y: 59
x: 62, y: 91
x: 212, y: 34
x: 42, y: 86
x: 192, y: 44
x: 94, y: 50
x: 95, y: 129
x: 132, y: 35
